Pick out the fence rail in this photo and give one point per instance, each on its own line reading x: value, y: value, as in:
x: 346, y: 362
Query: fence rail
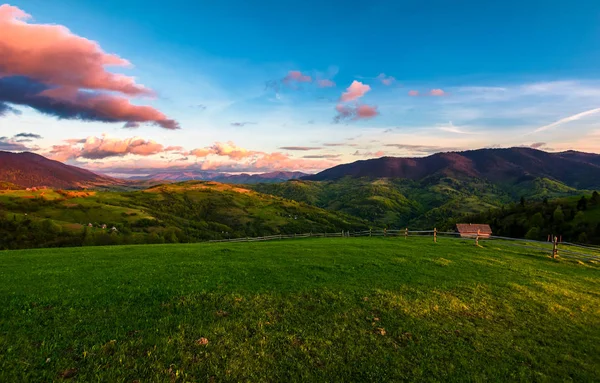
x: 555, y: 249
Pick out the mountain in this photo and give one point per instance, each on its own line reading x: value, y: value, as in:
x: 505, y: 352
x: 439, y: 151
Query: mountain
x: 200, y: 175
x: 424, y: 192
x: 32, y: 170
x: 574, y: 169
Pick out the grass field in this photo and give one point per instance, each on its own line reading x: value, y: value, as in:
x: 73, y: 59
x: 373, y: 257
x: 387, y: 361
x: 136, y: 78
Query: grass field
x: 344, y: 309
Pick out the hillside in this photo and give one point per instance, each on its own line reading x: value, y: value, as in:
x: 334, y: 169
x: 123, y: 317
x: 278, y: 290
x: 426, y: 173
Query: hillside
x: 180, y: 212
x: 425, y: 192
x: 512, y: 165
x: 200, y: 175
x: 574, y: 219
x: 313, y: 310
x: 32, y: 170
x: 424, y: 204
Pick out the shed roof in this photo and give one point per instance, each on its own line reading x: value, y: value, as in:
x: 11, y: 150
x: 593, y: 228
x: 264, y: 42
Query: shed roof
x: 483, y: 228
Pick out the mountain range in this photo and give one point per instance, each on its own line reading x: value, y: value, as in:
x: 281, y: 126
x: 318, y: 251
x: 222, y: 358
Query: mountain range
x: 514, y: 165
x: 420, y: 193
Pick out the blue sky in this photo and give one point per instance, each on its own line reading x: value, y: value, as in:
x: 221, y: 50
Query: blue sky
x: 486, y: 74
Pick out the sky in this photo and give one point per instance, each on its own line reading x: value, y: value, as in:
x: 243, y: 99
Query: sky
x: 130, y: 87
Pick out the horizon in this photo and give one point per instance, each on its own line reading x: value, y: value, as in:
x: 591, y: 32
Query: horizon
x: 257, y: 97
x: 135, y: 173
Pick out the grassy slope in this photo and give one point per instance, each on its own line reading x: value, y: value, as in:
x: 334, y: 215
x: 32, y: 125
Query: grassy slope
x: 308, y: 310
x: 203, y: 210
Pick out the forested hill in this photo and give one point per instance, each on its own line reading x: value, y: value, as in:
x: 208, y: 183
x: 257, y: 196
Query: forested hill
x: 576, y: 219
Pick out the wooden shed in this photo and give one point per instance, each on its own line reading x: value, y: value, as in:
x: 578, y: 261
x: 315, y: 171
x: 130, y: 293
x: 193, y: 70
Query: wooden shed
x: 469, y: 230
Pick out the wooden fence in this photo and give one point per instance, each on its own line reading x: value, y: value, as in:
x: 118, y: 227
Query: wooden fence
x: 553, y: 248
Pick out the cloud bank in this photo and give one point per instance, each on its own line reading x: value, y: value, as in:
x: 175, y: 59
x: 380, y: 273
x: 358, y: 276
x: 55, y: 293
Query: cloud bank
x: 58, y: 73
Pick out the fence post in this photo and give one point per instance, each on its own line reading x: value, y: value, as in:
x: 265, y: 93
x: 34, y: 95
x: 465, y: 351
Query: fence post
x: 549, y: 238
x: 560, y: 239
x: 477, y: 239
x: 384, y: 232
x: 406, y: 233
x: 370, y: 232
x: 555, y: 247
x: 435, y: 235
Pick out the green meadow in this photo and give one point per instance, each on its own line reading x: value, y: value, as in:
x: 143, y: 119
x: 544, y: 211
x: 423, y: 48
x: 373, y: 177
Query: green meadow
x: 343, y: 309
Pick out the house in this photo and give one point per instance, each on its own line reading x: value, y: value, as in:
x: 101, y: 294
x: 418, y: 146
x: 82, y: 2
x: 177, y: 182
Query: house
x: 470, y: 230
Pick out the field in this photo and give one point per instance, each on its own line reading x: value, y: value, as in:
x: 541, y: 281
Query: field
x: 343, y: 309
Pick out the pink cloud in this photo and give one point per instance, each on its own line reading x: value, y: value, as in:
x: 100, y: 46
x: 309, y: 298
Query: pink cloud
x: 73, y: 69
x: 349, y: 112
x: 366, y: 111
x: 386, y: 80
x: 104, y: 147
x: 228, y: 149
x: 325, y: 83
x: 355, y: 91
x: 296, y: 75
x: 413, y: 93
x: 437, y: 92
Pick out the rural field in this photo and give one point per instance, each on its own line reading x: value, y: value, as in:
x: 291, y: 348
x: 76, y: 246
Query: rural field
x: 328, y: 309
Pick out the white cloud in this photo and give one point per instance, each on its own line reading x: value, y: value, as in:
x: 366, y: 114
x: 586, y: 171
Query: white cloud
x: 574, y: 117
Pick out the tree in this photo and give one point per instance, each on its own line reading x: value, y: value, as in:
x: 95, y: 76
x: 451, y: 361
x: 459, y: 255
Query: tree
x: 595, y: 198
x: 545, y: 201
x: 582, y: 204
x: 559, y: 216
x: 537, y: 220
x: 533, y: 233
x: 522, y: 201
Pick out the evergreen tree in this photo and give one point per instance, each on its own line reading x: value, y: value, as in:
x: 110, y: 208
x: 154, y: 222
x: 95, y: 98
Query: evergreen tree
x: 582, y: 204
x: 595, y: 198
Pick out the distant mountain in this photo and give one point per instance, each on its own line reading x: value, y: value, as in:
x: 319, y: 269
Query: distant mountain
x: 513, y: 165
x: 32, y: 170
x: 199, y: 175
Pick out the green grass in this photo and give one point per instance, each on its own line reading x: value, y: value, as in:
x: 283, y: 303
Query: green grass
x: 351, y: 309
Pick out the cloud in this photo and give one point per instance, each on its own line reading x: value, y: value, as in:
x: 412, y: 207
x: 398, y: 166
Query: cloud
x: 296, y: 76
x: 355, y: 91
x: 28, y: 135
x: 61, y: 74
x: 413, y: 93
x: 333, y: 144
x: 131, y: 125
x: 453, y: 129
x: 327, y: 156
x: 243, y: 123
x: 325, y: 83
x: 386, y: 80
x: 199, y: 106
x: 537, y: 145
x: 6, y: 109
x: 437, y: 92
x: 94, y: 148
x: 574, y: 117
x: 11, y: 145
x: 424, y: 149
x: 354, y: 112
x: 379, y: 153
x: 227, y: 149
x: 174, y: 149
x: 301, y: 148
